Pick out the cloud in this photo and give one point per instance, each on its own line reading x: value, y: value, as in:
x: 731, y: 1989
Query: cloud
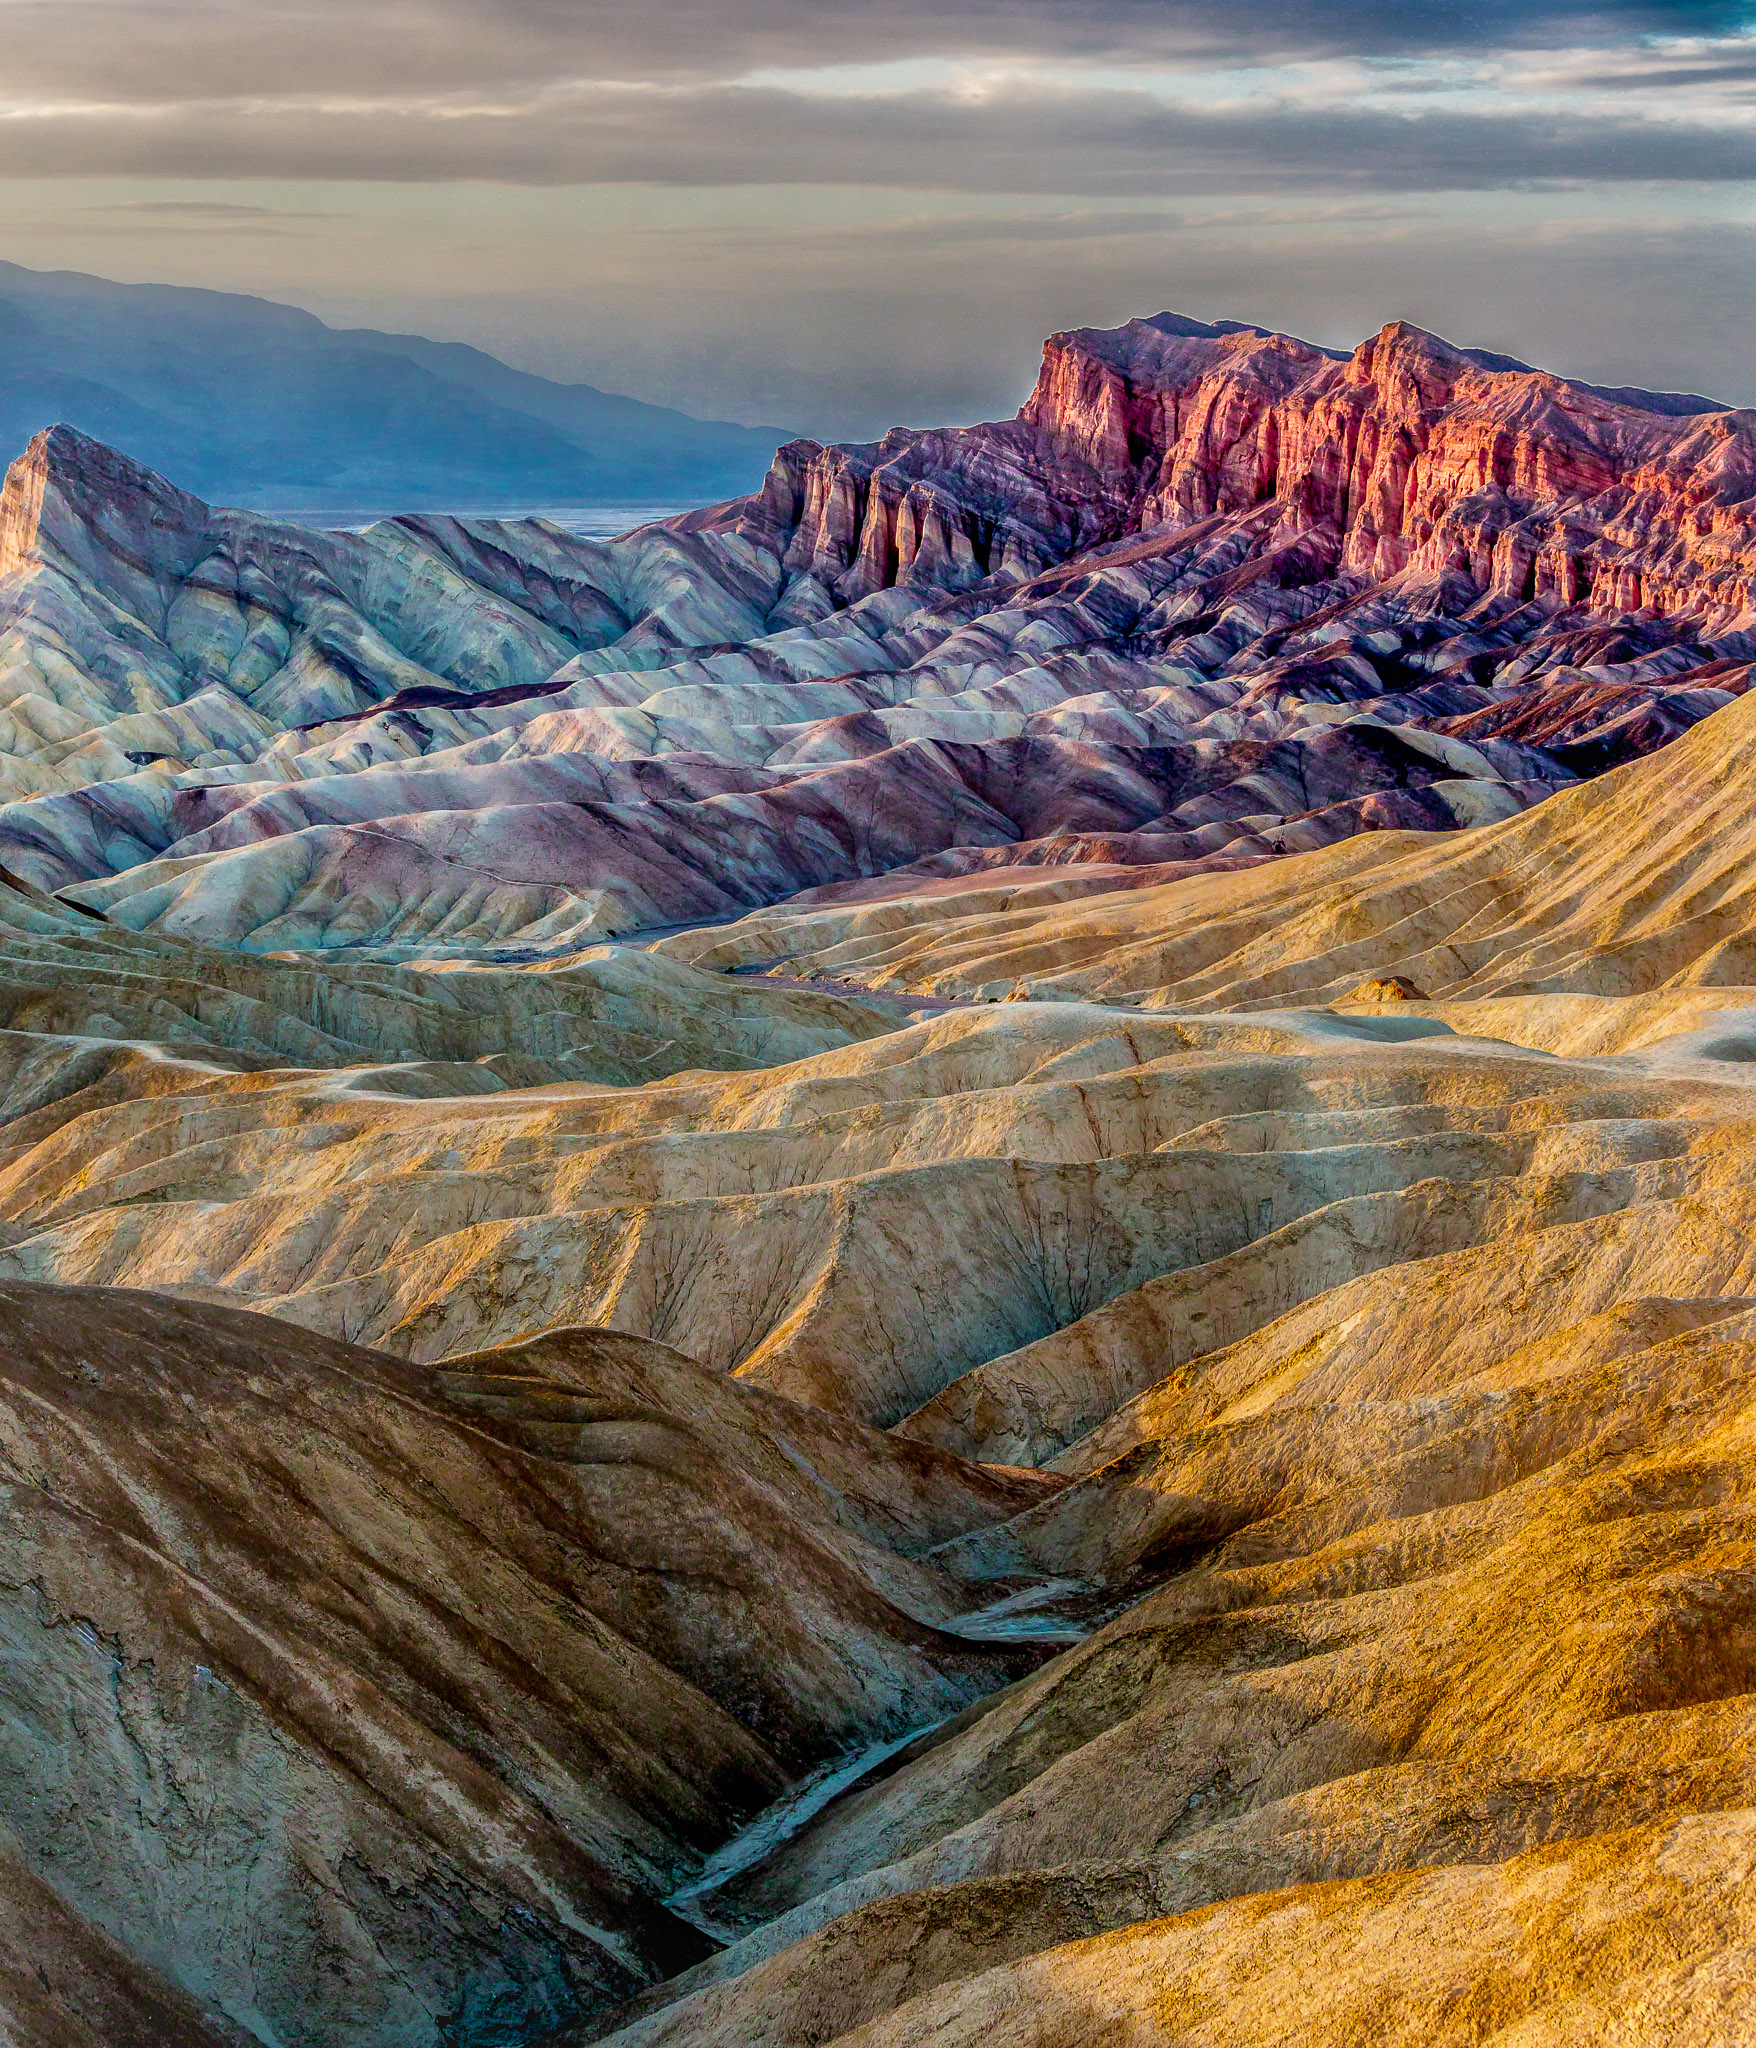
x: 147, y: 50
x: 921, y: 239
x: 1015, y: 136
x: 200, y: 209
x: 1698, y: 70
x: 1057, y: 95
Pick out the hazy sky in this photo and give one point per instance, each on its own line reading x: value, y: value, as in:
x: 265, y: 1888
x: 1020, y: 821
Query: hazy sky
x: 837, y: 215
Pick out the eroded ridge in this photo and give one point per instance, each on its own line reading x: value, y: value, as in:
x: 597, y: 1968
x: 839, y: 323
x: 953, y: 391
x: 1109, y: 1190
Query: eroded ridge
x: 1358, y: 1401
x: 1213, y: 597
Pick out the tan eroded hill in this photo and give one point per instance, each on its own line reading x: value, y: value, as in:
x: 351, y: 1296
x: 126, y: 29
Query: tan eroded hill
x: 1389, y: 1387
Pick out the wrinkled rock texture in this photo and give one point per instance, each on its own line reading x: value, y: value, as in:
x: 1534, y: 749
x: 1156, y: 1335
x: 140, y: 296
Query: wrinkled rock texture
x: 1215, y: 596
x: 1109, y: 1399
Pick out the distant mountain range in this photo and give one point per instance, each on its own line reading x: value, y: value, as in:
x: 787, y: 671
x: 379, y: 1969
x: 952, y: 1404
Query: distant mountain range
x: 262, y: 405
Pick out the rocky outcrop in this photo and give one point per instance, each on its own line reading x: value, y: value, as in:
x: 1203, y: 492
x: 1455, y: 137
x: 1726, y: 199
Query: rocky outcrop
x: 1412, y: 457
x: 1197, y: 540
x: 1408, y: 459
x: 946, y: 510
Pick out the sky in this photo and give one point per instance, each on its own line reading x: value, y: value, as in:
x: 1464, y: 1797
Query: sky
x: 835, y: 216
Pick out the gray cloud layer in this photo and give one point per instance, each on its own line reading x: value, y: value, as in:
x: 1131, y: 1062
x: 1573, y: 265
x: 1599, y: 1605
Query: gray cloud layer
x: 143, y: 50
x: 1015, y: 139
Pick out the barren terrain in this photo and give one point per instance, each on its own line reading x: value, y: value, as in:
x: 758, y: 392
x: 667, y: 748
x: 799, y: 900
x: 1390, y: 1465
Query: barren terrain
x: 964, y: 1255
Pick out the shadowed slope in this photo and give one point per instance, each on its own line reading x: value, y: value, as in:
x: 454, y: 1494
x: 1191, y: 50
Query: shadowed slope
x: 402, y: 1695
x: 1432, y: 1611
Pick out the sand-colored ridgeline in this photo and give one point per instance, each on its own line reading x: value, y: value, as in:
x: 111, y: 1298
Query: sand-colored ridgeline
x: 1291, y: 1469
x: 1141, y: 1442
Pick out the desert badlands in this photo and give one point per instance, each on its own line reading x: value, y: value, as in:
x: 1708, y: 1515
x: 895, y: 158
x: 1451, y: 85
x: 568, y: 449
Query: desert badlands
x: 967, y: 1255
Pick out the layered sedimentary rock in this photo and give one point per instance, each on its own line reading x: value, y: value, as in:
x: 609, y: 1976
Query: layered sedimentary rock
x: 1112, y: 1401
x: 1370, y: 1371
x: 455, y: 1801
x: 1408, y: 455
x: 1635, y: 883
x: 1241, y: 595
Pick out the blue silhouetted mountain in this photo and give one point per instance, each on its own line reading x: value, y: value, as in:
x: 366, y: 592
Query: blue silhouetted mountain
x: 249, y: 402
